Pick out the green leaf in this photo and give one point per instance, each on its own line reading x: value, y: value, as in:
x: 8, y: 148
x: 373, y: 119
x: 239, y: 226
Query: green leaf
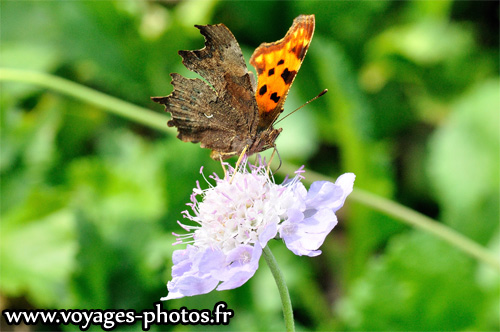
x: 37, y: 249
x: 424, y: 42
x: 420, y: 284
x: 124, y: 183
x: 347, y: 124
x: 464, y: 161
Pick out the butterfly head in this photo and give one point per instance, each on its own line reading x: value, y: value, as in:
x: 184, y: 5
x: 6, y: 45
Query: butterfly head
x: 265, y: 140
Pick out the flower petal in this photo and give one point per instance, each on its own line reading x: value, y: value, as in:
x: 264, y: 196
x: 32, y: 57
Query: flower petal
x: 268, y: 233
x: 324, y: 194
x: 190, y: 273
x: 346, y: 182
x: 210, y: 259
x: 305, y: 237
x: 243, y: 262
x: 189, y: 285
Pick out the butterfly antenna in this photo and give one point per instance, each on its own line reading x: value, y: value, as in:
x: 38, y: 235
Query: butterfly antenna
x: 319, y: 95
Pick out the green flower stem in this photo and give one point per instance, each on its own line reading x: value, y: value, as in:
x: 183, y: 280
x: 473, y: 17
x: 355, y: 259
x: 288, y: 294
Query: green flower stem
x: 282, y: 288
x: 157, y: 121
x: 110, y: 104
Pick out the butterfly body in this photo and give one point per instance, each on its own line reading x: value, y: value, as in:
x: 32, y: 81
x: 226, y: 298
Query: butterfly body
x: 231, y: 112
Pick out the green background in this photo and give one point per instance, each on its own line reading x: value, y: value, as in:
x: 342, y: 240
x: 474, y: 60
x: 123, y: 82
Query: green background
x: 89, y: 199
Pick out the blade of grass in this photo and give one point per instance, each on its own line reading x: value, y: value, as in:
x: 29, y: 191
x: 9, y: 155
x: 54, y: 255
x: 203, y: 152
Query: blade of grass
x: 108, y: 103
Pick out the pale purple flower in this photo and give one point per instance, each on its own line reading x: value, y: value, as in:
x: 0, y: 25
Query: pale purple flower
x: 237, y: 216
x: 305, y: 229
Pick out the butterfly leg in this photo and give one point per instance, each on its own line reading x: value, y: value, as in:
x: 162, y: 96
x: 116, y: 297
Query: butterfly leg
x: 223, y: 167
x: 270, y: 161
x: 275, y: 151
x: 240, y: 158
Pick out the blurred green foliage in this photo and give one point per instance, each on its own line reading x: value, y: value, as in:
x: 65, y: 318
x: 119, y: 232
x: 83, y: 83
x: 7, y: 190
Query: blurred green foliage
x: 89, y: 200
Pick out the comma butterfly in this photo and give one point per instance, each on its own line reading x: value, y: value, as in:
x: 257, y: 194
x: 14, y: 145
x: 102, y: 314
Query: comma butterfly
x: 232, y: 112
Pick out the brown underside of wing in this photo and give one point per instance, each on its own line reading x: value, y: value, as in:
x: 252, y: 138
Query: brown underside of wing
x: 223, y: 115
x: 196, y: 114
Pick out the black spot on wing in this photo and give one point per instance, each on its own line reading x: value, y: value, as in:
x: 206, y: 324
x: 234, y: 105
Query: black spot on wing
x: 299, y: 52
x: 270, y: 72
x: 274, y: 97
x: 288, y: 76
x: 281, y: 62
x: 302, y: 53
x: 263, y: 90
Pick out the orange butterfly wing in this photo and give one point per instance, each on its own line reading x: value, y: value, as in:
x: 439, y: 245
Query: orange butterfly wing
x: 277, y: 65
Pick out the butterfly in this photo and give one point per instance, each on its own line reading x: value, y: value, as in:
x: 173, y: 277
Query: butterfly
x: 233, y: 113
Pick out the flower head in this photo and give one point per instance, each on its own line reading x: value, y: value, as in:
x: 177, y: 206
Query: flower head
x: 237, y: 216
